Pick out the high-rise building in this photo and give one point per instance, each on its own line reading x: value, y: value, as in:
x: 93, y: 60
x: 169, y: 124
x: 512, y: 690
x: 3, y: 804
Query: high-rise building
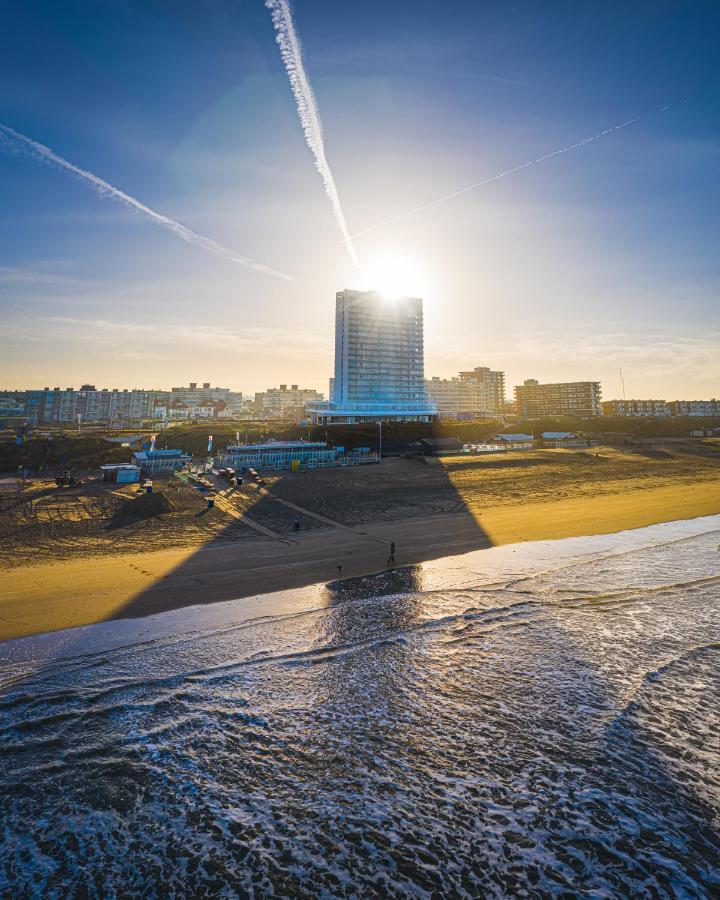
x: 379, y: 362
x: 575, y: 398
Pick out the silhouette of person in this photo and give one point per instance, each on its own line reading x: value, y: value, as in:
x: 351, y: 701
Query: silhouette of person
x: 391, y: 558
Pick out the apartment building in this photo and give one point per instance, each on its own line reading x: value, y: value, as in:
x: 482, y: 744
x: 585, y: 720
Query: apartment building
x: 205, y: 395
x: 379, y: 361
x: 636, y: 408
x: 489, y: 388
x: 90, y: 404
x: 453, y: 398
x: 285, y: 401
x: 708, y: 408
x: 661, y: 408
x: 473, y: 394
x: 574, y: 398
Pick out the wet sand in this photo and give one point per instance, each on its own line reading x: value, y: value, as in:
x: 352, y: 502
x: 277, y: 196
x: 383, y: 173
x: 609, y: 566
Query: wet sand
x: 71, y: 592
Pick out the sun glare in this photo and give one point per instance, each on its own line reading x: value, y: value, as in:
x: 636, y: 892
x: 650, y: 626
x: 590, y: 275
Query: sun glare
x: 395, y: 276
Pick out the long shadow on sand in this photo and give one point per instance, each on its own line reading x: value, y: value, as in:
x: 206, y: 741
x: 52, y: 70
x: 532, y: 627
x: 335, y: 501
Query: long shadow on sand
x: 349, y: 518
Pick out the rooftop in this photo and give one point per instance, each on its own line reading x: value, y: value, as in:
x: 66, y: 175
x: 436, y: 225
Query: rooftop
x: 157, y: 454
x: 280, y: 445
x: 512, y: 437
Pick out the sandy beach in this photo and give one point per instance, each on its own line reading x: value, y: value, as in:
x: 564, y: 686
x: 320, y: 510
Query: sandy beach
x: 119, y: 567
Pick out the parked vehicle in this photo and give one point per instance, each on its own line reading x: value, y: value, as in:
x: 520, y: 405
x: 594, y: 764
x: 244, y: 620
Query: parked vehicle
x: 67, y: 479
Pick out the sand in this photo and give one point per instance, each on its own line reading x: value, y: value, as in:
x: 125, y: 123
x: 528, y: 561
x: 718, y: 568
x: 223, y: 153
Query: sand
x: 349, y: 518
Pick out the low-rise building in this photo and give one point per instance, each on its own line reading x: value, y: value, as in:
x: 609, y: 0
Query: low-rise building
x: 692, y: 408
x: 477, y: 393
x: 284, y: 402
x: 573, y: 398
x: 636, y: 408
x: 448, y: 446
x: 156, y: 462
x: 281, y: 456
x: 204, y: 396
x: 121, y: 473
x: 12, y: 407
x: 563, y: 439
x: 453, y: 398
x: 513, y: 441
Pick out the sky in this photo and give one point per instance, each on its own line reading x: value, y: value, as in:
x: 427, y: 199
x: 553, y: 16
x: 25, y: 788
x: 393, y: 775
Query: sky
x: 601, y: 258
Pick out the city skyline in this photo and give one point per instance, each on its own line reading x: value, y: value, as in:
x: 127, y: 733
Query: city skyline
x: 596, y: 259
x: 620, y: 395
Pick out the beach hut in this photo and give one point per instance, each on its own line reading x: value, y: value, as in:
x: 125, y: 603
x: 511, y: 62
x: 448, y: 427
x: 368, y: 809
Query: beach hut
x: 121, y: 473
x: 563, y: 439
x: 513, y: 441
x: 448, y: 446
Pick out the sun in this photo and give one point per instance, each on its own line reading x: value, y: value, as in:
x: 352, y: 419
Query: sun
x: 394, y: 275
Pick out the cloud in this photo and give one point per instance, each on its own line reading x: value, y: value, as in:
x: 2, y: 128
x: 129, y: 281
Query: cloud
x: 176, y: 336
x: 500, y: 175
x: 655, y: 364
x: 18, y: 142
x: 33, y: 276
x: 291, y: 54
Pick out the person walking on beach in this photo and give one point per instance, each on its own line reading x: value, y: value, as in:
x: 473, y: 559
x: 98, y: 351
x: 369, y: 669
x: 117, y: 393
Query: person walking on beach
x: 391, y: 558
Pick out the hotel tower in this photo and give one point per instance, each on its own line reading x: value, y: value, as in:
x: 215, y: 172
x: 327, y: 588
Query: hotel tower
x: 379, y: 363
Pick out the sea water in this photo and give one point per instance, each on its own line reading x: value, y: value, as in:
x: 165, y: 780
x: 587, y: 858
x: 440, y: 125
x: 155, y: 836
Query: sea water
x: 534, y: 720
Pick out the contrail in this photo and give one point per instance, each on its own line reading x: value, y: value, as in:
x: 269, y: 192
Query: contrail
x: 477, y: 184
x: 17, y: 141
x: 291, y: 54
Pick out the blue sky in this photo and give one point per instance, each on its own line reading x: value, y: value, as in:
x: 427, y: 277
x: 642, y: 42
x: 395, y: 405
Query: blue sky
x: 602, y: 257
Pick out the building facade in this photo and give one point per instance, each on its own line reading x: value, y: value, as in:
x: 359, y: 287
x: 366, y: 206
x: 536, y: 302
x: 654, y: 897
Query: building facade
x: 512, y: 441
x: 285, y: 401
x: 379, y: 361
x: 474, y: 394
x: 157, y: 462
x: 488, y: 388
x: 452, y: 397
x: 575, y: 398
x: 636, y: 408
x: 708, y: 408
x: 278, y: 456
x: 115, y: 407
x: 205, y: 396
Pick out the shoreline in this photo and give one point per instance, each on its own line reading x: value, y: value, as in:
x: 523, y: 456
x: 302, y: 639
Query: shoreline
x: 46, y: 597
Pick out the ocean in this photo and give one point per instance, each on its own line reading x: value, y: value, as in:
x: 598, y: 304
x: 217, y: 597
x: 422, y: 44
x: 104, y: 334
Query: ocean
x: 534, y: 720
